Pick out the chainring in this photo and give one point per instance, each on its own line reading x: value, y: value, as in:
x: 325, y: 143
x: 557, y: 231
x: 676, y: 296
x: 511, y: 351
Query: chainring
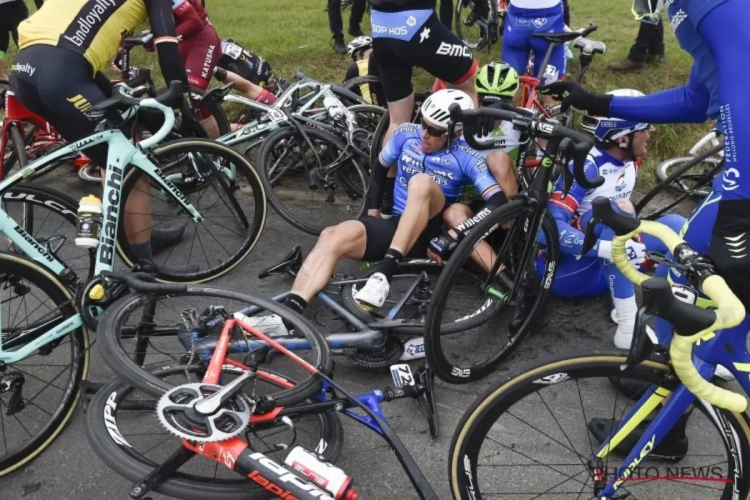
x: 176, y: 410
x: 387, y: 355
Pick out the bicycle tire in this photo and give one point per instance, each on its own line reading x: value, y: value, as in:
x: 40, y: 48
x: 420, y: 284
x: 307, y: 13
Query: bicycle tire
x: 244, y: 171
x: 489, y: 40
x: 443, y: 368
x: 358, y: 185
x: 65, y: 300
x: 110, y: 326
x: 101, y: 417
x: 485, y: 410
x: 353, y: 85
x: 416, y: 266
x: 669, y: 180
x: 382, y: 128
x: 55, y: 201
x: 216, y: 111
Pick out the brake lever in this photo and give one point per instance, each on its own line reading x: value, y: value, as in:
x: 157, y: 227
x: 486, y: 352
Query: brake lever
x: 590, y: 239
x: 568, y: 176
x: 641, y: 347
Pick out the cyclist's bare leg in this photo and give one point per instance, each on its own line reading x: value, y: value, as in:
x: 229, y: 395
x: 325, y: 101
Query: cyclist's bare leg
x: 137, y: 219
x: 424, y: 200
x: 211, y: 127
x: 345, y: 240
x: 244, y: 87
x: 503, y: 170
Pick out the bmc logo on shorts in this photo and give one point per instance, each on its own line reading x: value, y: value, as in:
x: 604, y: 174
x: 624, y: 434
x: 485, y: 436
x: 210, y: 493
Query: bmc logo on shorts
x: 450, y: 49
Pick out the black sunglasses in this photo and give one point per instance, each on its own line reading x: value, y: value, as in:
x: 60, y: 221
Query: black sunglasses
x: 434, y: 131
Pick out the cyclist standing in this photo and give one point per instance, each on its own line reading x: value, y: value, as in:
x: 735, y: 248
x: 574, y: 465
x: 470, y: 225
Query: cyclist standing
x: 408, y: 33
x: 524, y: 19
x: 57, y: 75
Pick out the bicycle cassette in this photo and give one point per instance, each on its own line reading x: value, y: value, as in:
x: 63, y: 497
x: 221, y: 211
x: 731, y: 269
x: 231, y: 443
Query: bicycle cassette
x: 177, y: 413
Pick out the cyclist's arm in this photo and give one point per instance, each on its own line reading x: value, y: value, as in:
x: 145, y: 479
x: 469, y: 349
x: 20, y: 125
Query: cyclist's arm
x: 352, y: 71
x: 388, y: 156
x: 190, y: 22
x: 162, y: 26
x: 571, y: 239
x: 686, y: 104
x: 476, y: 169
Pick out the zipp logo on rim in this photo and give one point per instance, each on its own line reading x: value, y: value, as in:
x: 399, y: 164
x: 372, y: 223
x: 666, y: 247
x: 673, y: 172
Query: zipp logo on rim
x: 453, y: 49
x: 111, y: 423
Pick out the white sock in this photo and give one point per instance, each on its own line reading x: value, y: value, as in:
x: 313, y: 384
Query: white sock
x: 626, y: 310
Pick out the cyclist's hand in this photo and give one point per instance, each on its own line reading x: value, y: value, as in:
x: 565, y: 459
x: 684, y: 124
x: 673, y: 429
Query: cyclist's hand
x: 434, y: 257
x: 443, y: 245
x: 636, y: 252
x: 484, y: 125
x: 571, y: 94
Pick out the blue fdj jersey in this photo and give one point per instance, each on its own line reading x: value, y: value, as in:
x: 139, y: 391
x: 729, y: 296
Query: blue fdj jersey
x: 451, y: 170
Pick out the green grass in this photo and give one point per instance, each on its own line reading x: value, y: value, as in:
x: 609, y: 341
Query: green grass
x: 294, y: 36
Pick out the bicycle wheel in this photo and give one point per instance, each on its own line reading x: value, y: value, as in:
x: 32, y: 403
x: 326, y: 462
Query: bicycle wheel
x: 313, y: 182
x: 137, y: 322
x: 50, y: 217
x: 467, y: 308
x: 39, y: 393
x: 36, y: 147
x: 477, y: 22
x: 476, y: 352
x: 223, y: 187
x: 119, y: 420
x: 516, y: 426
x: 681, y: 178
x: 208, y: 115
x: 370, y: 82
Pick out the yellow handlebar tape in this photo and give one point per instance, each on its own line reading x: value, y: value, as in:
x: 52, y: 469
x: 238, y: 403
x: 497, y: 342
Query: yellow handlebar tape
x: 730, y: 313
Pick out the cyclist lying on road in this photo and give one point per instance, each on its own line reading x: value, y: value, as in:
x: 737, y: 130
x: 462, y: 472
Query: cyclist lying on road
x: 429, y: 177
x: 618, y: 143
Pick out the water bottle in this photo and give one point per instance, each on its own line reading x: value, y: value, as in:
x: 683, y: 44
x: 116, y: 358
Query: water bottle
x: 89, y: 221
x: 333, y: 107
x: 271, y: 325
x: 325, y: 475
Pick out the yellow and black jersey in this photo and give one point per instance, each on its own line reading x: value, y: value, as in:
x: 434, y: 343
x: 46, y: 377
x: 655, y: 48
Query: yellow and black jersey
x: 372, y: 93
x: 93, y: 28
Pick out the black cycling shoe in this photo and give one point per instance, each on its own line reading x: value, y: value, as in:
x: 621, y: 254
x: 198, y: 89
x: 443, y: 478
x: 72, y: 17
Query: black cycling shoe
x: 338, y: 45
x: 672, y: 448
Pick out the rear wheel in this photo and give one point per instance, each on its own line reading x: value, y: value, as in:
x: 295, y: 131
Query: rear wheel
x: 477, y: 22
x: 313, y: 181
x: 39, y: 393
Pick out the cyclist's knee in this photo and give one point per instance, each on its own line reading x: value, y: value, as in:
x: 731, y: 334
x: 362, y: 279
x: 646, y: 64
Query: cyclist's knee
x: 421, y: 186
x: 456, y: 214
x: 341, y: 236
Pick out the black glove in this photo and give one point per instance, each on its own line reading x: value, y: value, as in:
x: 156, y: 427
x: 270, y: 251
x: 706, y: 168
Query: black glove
x: 484, y: 125
x: 572, y: 94
x: 443, y: 245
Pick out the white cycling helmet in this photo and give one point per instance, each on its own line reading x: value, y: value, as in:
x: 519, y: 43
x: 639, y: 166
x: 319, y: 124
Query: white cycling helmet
x: 436, y: 108
x: 610, y: 129
x: 358, y: 45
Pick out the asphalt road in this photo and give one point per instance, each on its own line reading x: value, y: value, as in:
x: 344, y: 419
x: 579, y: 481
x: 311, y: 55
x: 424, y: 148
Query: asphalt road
x: 69, y: 469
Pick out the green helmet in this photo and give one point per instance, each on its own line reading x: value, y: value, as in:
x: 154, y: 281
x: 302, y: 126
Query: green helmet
x: 498, y: 80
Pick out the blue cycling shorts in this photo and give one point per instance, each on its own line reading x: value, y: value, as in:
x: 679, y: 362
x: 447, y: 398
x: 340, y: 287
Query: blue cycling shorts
x: 518, y: 43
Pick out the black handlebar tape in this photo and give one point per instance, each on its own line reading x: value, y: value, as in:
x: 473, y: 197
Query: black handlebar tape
x: 687, y: 319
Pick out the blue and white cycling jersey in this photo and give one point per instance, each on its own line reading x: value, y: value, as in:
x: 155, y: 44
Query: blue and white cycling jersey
x: 451, y: 169
x: 619, y: 181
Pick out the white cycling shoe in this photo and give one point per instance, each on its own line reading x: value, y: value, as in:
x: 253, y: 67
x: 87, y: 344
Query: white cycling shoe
x: 375, y: 291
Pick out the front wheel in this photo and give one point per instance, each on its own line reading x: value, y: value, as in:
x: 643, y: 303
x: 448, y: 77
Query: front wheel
x: 528, y: 434
x: 222, y: 186
x: 524, y: 273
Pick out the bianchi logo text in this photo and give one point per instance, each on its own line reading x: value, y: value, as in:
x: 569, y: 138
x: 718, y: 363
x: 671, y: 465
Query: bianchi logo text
x: 89, y: 19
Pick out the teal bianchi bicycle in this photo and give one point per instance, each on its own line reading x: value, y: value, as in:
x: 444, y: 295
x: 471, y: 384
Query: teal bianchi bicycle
x: 46, y: 308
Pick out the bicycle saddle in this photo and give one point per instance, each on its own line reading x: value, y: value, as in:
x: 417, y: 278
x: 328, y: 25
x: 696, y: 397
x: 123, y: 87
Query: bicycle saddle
x: 558, y: 38
x: 589, y: 47
x: 289, y: 264
x: 135, y: 40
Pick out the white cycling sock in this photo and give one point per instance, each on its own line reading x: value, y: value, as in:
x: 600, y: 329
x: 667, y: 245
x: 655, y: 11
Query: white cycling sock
x: 626, y: 310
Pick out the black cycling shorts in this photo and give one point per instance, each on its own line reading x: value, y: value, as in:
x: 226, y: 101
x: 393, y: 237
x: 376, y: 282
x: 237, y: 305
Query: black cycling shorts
x: 38, y: 82
x: 433, y: 47
x: 379, y: 235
